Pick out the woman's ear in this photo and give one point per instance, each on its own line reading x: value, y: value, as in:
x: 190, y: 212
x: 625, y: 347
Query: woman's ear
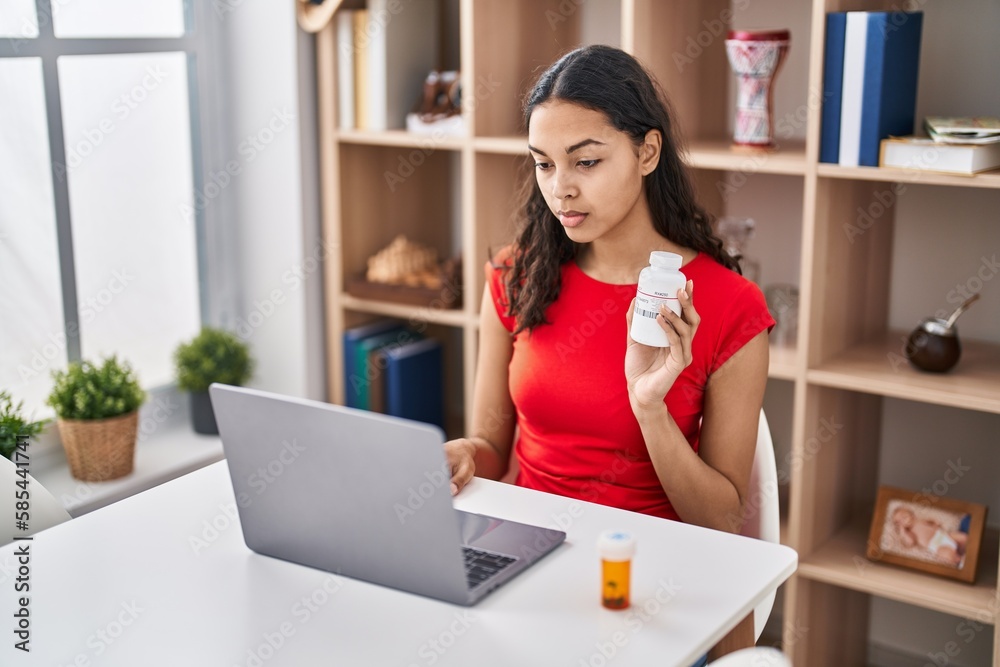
x: 649, y: 151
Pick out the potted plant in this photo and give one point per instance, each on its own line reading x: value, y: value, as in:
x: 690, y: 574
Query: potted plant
x: 14, y: 426
x: 98, y: 416
x: 213, y: 355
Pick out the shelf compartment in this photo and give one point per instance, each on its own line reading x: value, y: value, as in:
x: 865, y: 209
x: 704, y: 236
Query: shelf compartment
x: 782, y: 363
x: 683, y: 45
x: 453, y: 318
x: 499, y: 182
x: 450, y: 335
x: 514, y: 38
x: 988, y: 179
x: 877, y: 366
x: 721, y: 155
x: 841, y: 561
x: 385, y: 194
x: 402, y: 139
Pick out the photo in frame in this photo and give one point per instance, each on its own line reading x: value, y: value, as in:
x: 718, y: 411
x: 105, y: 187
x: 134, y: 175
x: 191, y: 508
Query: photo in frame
x: 928, y: 533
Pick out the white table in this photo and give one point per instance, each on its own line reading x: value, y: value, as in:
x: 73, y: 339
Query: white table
x: 164, y: 578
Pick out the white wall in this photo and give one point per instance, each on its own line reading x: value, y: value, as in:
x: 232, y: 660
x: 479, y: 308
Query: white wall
x: 272, y: 206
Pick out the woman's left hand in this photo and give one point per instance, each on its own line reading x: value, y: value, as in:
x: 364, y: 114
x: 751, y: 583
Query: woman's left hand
x: 651, y: 371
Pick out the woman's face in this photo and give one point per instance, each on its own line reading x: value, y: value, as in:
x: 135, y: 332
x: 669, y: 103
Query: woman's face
x: 589, y: 172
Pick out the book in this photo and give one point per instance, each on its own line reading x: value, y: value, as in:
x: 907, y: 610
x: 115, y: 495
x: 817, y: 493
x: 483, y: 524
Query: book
x: 362, y: 48
x: 345, y: 69
x: 351, y: 339
x: 414, y: 384
x: 368, y: 371
x: 879, y: 82
x: 892, y: 59
x: 833, y: 82
x: 400, y: 49
x: 968, y: 130
x: 376, y: 388
x: 855, y: 43
x: 925, y: 154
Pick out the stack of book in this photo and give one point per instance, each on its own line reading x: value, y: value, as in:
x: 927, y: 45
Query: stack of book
x: 384, y: 53
x: 869, y: 83
x: 954, y: 146
x: 392, y: 369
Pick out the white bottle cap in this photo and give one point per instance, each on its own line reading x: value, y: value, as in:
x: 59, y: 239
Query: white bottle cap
x: 665, y: 260
x: 616, y: 545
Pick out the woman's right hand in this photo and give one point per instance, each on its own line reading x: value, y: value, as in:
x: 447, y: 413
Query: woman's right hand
x: 461, y: 454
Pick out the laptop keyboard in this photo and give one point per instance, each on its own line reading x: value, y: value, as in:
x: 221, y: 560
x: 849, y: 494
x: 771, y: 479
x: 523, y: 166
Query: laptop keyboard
x: 481, y: 565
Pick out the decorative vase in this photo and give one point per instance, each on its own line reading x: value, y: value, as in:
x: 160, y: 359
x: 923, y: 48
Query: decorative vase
x: 100, y: 449
x: 202, y: 414
x: 756, y: 56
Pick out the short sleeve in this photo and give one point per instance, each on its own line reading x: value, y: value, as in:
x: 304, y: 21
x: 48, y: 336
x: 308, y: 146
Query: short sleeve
x: 746, y: 317
x: 496, y: 270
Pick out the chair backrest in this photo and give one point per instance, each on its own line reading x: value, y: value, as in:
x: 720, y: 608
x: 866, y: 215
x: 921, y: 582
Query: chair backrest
x: 759, y: 656
x: 761, y: 517
x: 44, y: 510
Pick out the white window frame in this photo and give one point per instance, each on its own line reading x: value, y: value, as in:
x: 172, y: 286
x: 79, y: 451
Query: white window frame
x: 218, y: 284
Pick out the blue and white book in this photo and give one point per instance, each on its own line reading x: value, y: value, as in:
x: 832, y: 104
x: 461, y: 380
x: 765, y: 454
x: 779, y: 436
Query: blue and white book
x: 852, y: 97
x: 833, y: 83
x: 892, y: 58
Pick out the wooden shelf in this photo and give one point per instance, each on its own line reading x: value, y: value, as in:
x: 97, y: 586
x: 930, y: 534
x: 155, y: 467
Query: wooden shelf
x: 836, y: 369
x: 453, y: 318
x: 703, y: 154
x: 502, y: 145
x: 878, y: 367
x: 782, y: 363
x: 988, y: 179
x: 400, y: 138
x: 841, y: 562
x: 721, y: 155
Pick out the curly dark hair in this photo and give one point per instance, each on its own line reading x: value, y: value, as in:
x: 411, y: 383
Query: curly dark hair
x: 611, y: 81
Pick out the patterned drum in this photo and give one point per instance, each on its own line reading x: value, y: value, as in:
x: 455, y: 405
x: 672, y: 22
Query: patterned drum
x: 755, y: 56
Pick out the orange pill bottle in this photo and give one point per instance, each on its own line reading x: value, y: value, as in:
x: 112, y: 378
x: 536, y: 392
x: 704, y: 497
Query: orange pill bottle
x: 616, y: 549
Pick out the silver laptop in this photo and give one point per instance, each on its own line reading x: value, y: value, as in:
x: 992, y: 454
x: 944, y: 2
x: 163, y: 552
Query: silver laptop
x: 364, y: 495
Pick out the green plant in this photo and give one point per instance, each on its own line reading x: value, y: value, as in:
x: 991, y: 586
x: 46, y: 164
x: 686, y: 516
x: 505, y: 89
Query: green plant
x: 13, y: 425
x: 213, y: 356
x: 88, y: 391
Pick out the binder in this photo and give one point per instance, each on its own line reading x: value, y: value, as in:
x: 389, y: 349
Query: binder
x: 352, y: 339
x: 878, y: 64
x: 852, y: 99
x: 414, y: 385
x: 833, y: 83
x: 892, y: 58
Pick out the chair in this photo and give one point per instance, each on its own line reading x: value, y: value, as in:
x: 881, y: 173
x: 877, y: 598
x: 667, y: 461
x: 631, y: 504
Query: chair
x: 761, y: 519
x: 759, y: 656
x: 44, y: 510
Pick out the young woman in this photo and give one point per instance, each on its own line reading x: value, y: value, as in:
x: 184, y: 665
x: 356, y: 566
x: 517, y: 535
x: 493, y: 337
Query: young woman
x: 670, y: 432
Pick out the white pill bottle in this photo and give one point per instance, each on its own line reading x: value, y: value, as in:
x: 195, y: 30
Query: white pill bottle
x: 658, y: 284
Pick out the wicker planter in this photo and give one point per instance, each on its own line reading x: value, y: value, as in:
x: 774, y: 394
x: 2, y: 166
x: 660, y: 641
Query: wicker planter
x: 100, y: 449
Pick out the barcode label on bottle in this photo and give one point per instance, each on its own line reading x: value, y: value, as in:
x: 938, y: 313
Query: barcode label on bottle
x: 645, y: 313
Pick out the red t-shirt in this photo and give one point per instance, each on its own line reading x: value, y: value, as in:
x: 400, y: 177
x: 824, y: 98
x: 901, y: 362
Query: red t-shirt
x: 577, y: 435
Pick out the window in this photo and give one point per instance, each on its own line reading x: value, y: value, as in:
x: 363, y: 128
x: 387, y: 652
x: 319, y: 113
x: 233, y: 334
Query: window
x: 101, y: 242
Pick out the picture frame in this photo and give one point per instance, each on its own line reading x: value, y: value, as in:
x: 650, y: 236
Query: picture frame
x: 927, y: 533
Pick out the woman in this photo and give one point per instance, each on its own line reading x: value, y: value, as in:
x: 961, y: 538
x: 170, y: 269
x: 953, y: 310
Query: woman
x: 665, y: 431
